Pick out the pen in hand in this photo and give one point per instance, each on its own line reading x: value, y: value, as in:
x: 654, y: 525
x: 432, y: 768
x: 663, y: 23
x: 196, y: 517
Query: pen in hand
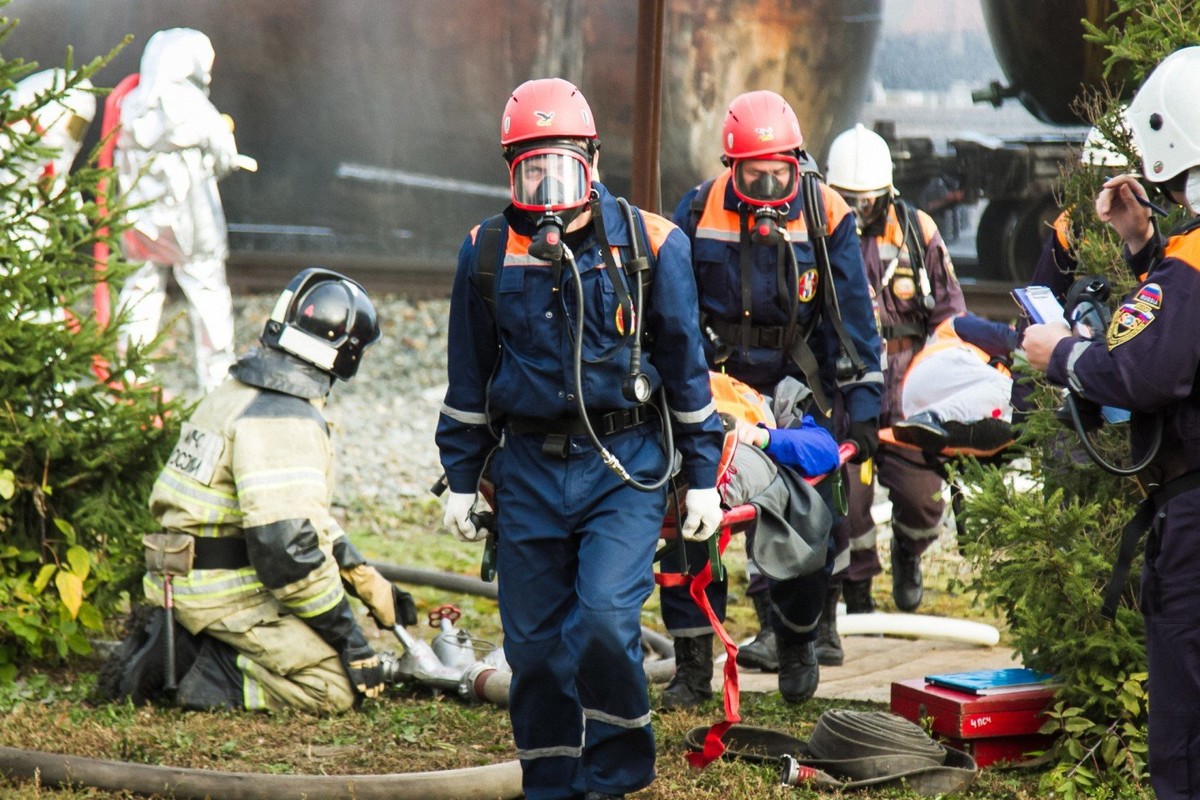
x: 1143, y: 202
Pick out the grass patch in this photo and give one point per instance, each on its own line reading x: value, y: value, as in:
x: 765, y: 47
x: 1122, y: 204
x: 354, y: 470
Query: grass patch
x: 414, y: 729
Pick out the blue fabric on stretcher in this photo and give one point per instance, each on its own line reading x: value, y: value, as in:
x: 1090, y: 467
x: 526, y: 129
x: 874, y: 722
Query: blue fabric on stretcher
x: 809, y: 449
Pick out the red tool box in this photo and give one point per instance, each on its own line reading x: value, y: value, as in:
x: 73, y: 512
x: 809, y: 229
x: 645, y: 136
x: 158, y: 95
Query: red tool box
x: 997, y: 727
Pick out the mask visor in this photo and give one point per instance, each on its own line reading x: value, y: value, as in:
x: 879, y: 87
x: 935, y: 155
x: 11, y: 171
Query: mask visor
x: 771, y: 181
x: 868, y: 207
x: 550, y: 180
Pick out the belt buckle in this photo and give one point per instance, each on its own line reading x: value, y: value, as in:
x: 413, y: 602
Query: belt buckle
x: 556, y: 444
x: 771, y: 338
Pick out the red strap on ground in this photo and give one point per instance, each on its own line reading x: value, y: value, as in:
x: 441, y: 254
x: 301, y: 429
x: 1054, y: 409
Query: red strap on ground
x: 713, y: 746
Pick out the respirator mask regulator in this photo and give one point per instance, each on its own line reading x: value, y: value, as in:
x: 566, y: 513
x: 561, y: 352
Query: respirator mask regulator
x: 1087, y: 312
x: 767, y: 186
x: 551, y: 182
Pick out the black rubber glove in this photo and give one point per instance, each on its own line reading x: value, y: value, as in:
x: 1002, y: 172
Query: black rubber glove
x: 406, y: 608
x: 865, y: 434
x: 364, y: 670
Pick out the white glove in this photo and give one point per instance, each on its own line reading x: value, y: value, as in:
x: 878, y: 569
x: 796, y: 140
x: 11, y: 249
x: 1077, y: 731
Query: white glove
x: 458, y: 517
x: 704, y: 515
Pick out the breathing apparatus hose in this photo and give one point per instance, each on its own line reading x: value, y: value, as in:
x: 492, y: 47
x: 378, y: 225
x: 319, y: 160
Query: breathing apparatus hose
x: 1099, y: 460
x: 611, y: 461
x: 1085, y: 307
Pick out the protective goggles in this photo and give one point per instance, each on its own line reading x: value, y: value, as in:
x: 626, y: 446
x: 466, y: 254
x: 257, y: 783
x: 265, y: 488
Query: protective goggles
x: 769, y: 181
x: 550, y: 179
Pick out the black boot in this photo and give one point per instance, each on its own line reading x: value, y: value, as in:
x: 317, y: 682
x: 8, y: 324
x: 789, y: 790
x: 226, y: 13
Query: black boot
x: 136, y: 669
x: 214, y: 682
x: 829, y: 644
x: 907, y: 588
x: 692, y: 683
x: 602, y: 796
x: 925, y: 430
x: 761, y: 653
x: 858, y: 596
x: 798, y: 671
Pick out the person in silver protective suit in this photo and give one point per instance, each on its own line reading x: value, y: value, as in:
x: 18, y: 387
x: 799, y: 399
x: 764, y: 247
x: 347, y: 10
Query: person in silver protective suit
x: 60, y: 123
x: 261, y: 612
x: 172, y: 148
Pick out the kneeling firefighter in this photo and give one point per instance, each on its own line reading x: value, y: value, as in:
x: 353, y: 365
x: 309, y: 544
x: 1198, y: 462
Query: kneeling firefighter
x: 548, y: 379
x: 250, y: 560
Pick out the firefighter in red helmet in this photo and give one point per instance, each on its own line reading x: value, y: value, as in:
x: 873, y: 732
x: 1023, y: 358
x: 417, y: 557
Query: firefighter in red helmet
x: 570, y: 311
x: 782, y: 294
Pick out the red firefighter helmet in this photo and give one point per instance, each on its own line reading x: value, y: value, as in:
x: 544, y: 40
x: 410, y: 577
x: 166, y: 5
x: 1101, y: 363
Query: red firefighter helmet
x: 546, y: 108
x: 760, y: 124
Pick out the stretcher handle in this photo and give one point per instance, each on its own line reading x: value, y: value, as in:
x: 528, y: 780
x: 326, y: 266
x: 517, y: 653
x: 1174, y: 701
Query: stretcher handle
x: 747, y: 513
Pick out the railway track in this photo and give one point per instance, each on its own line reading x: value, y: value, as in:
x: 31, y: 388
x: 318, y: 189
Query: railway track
x: 267, y: 275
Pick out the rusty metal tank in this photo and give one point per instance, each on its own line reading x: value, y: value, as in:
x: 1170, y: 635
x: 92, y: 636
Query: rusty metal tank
x: 1041, y: 49
x: 375, y: 122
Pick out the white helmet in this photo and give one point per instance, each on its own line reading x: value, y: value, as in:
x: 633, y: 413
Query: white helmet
x: 859, y: 161
x: 1165, y: 117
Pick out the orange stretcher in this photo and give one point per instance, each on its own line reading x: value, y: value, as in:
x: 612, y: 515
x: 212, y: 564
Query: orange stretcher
x: 736, y: 520
x: 888, y: 437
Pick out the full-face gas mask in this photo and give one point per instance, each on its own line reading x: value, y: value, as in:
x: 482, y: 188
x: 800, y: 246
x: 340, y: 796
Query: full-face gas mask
x: 551, y: 181
x: 869, y: 208
x: 767, y: 185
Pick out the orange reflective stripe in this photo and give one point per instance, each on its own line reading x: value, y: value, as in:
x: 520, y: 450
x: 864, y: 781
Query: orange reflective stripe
x: 893, y: 235
x: 657, y: 230
x: 718, y: 222
x: 1186, y: 248
x: 944, y: 338
x: 836, y: 208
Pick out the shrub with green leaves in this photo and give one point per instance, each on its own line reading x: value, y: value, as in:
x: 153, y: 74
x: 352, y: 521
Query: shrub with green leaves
x: 83, y: 431
x: 1044, y: 530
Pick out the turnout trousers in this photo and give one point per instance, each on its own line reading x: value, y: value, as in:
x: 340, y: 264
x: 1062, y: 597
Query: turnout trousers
x: 575, y: 565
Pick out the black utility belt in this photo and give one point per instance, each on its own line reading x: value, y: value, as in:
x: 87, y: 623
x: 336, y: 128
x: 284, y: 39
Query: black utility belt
x: 768, y: 336
x: 603, y: 423
x: 225, y: 552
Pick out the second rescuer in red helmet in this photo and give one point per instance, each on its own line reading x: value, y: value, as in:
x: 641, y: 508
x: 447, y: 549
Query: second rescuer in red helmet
x: 762, y: 143
x: 783, y: 296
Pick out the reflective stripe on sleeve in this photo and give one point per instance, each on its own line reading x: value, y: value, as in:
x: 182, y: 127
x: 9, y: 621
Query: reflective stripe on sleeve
x: 465, y: 417
x: 312, y: 606
x: 694, y: 417
x: 174, y: 484
x: 1076, y: 351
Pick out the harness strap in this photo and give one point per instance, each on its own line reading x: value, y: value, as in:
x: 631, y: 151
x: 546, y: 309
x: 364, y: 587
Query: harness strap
x: 1132, y: 533
x: 490, y: 242
x: 818, y: 234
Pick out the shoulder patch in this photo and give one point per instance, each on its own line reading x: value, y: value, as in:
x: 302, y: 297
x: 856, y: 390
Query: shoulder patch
x: 197, y: 453
x: 1150, y: 294
x: 1134, y: 316
x: 807, y: 288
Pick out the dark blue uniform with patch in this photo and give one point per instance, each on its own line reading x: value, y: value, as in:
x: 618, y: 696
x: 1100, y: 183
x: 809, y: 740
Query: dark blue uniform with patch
x: 576, y: 544
x: 762, y: 362
x: 1150, y: 366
